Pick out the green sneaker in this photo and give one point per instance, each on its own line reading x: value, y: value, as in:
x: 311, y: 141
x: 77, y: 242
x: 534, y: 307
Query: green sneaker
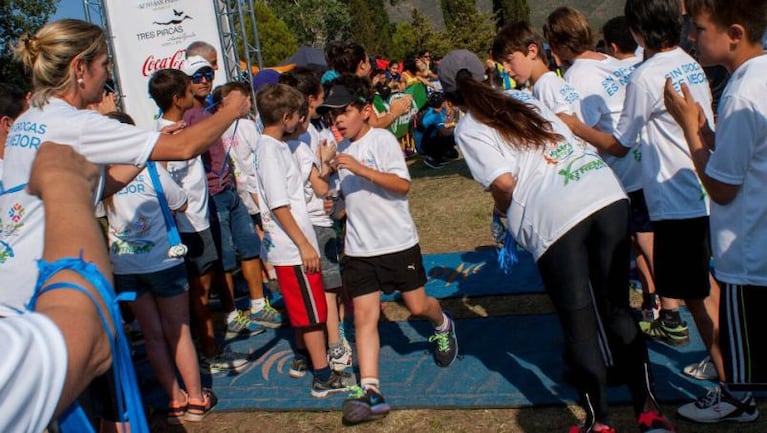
x: 677, y: 335
x: 267, y: 316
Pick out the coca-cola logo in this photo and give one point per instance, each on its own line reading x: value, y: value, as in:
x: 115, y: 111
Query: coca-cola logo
x: 153, y: 63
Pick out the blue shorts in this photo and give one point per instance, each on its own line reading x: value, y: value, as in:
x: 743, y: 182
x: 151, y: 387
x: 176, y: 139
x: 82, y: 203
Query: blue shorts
x: 162, y: 284
x: 233, y: 230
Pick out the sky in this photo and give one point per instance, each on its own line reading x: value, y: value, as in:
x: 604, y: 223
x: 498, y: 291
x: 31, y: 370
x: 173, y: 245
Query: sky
x: 69, y: 9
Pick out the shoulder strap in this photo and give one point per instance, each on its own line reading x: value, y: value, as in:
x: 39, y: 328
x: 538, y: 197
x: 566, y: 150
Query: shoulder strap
x: 170, y: 223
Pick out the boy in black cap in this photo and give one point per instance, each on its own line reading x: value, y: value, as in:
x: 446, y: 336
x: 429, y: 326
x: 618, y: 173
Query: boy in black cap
x: 381, y: 245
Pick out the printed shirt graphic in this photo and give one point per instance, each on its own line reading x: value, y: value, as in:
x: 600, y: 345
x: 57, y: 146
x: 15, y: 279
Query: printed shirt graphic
x: 280, y: 184
x: 379, y: 221
x: 602, y: 87
x: 22, y: 225
x: 190, y: 176
x: 305, y: 150
x: 556, y: 94
x: 557, y: 186
x: 671, y: 186
x: 138, y: 238
x: 739, y: 228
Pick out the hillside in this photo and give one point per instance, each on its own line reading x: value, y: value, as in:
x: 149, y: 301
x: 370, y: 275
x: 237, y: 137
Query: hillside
x: 598, y: 11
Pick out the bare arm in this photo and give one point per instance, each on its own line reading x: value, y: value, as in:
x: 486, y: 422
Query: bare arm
x: 194, y: 140
x: 309, y: 256
x: 398, y: 108
x: 64, y: 180
x: 389, y: 181
x: 604, y: 142
x: 689, y: 115
x: 502, y: 190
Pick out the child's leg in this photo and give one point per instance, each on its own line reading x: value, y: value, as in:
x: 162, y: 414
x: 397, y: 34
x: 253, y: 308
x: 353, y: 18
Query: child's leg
x: 199, y: 289
x: 175, y: 325
x: 419, y: 304
x: 367, y: 309
x: 148, y: 316
x: 314, y: 339
x: 333, y: 321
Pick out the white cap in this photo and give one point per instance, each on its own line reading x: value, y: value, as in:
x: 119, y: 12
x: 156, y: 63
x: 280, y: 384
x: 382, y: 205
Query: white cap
x: 194, y: 64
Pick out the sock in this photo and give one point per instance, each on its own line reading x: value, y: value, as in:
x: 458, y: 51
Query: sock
x: 322, y: 374
x: 257, y: 304
x: 272, y: 274
x: 370, y: 382
x: 445, y: 325
x: 648, y: 300
x: 231, y: 316
x: 671, y: 317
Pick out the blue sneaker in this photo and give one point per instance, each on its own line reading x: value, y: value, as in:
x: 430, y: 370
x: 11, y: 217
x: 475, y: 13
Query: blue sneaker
x: 267, y: 316
x: 242, y: 327
x: 364, y: 404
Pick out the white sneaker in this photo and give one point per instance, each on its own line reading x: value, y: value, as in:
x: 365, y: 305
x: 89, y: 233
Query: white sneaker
x: 224, y: 361
x: 339, y: 358
x: 719, y: 405
x: 703, y: 370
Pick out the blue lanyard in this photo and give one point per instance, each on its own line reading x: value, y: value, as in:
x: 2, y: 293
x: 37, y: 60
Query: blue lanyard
x: 170, y: 223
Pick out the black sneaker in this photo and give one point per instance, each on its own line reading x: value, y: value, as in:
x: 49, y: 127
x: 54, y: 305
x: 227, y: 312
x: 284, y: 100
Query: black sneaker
x: 446, y: 349
x: 364, y: 404
x: 298, y: 366
x: 433, y: 163
x: 337, y: 382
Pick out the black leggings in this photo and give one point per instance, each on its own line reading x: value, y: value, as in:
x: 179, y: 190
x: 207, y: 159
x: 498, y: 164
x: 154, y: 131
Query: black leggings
x: 585, y: 273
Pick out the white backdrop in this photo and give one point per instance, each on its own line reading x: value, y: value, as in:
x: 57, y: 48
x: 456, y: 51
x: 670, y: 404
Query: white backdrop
x: 151, y: 35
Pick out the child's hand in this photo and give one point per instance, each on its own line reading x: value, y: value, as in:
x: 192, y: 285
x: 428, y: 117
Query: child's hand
x: 174, y: 128
x: 237, y: 101
x: 327, y: 151
x: 401, y: 105
x: 309, y: 258
x: 683, y: 108
x: 343, y: 160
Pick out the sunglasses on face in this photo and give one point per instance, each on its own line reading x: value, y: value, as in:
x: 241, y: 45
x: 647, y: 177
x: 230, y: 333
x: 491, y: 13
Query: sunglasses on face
x: 198, y: 76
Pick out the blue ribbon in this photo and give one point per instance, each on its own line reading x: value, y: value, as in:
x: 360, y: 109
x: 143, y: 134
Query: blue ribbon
x: 170, y: 223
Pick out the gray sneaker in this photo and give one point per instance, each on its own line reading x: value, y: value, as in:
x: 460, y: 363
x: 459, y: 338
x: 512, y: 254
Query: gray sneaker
x: 703, y: 370
x: 267, y: 316
x: 298, y: 366
x: 226, y: 360
x: 242, y: 327
x: 337, y: 382
x: 339, y: 358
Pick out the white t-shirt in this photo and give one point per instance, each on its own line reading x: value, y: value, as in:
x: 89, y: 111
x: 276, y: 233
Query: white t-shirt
x: 1, y: 172
x: 281, y: 184
x: 557, y: 187
x: 33, y: 368
x: 556, y: 94
x: 305, y: 151
x: 671, y: 186
x: 241, y: 154
x: 601, y: 85
x: 739, y: 229
x: 190, y: 176
x: 378, y: 220
x: 100, y: 139
x: 138, y: 238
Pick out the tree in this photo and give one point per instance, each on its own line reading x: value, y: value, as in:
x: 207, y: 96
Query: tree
x: 314, y: 22
x: 370, y: 26
x: 454, y: 10
x: 277, y: 41
x: 509, y: 11
x: 16, y: 18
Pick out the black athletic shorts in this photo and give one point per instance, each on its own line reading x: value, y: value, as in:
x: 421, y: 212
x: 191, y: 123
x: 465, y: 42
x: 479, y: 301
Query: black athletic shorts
x: 401, y: 271
x: 682, y: 255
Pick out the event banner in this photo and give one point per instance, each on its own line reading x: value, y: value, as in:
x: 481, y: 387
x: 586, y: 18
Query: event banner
x: 149, y: 35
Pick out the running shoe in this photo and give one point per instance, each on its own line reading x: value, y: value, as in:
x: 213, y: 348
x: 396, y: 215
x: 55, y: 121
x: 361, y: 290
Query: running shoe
x: 434, y: 163
x: 676, y: 335
x: 703, y: 370
x: 267, y: 316
x: 364, y: 404
x: 650, y: 307
x: 652, y: 421
x: 226, y: 360
x: 339, y: 358
x: 242, y: 327
x: 720, y: 405
x: 298, y: 366
x: 446, y: 343
x: 337, y: 382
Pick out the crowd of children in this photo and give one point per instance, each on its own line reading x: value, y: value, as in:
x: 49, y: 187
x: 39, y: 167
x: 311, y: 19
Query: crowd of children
x: 619, y: 153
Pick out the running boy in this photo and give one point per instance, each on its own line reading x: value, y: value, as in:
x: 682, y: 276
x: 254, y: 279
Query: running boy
x: 731, y: 165
x: 381, y: 245
x: 289, y: 240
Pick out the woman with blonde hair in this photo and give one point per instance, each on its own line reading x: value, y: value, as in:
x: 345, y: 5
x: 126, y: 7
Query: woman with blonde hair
x: 69, y: 64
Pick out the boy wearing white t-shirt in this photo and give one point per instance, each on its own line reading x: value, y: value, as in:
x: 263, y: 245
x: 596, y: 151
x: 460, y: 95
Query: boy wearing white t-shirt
x: 171, y: 90
x: 381, y: 243
x: 732, y: 166
x: 519, y: 48
x: 676, y: 200
x: 290, y: 244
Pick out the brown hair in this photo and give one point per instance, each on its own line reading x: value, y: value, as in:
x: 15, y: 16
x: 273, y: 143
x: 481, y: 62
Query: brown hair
x: 568, y: 29
x: 518, y: 123
x: 276, y: 100
x: 517, y: 36
x: 751, y: 14
x: 49, y: 53
x: 220, y: 92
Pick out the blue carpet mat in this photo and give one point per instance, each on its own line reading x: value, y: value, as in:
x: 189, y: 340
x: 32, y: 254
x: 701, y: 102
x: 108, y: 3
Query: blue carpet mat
x: 506, y: 361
